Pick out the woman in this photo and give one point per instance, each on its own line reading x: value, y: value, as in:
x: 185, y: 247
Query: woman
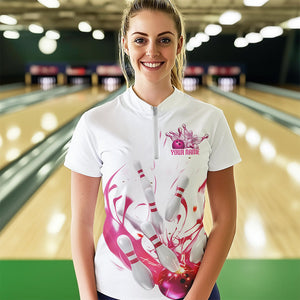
x: 155, y: 150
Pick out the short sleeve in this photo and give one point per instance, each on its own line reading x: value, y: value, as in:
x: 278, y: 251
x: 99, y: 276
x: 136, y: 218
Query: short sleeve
x: 224, y: 152
x: 83, y: 154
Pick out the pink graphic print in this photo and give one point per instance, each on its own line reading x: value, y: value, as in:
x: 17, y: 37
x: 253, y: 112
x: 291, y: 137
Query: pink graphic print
x: 170, y: 266
x: 185, y: 138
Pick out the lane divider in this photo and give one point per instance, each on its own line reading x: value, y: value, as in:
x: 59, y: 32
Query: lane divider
x: 273, y: 90
x: 15, y: 103
x: 11, y: 86
x: 293, y: 123
x: 21, y: 179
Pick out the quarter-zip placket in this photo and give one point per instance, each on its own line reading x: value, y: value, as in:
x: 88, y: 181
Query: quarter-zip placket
x: 155, y: 132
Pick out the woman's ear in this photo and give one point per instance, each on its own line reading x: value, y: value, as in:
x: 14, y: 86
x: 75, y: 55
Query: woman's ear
x: 179, y: 45
x: 125, y: 46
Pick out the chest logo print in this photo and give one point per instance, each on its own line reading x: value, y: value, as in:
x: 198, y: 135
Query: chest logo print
x: 184, y: 141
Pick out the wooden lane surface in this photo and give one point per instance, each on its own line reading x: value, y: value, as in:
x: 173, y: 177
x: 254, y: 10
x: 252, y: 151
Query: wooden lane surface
x: 18, y: 91
x: 41, y: 229
x: 20, y: 130
x: 268, y: 196
x: 284, y: 104
x: 268, y: 199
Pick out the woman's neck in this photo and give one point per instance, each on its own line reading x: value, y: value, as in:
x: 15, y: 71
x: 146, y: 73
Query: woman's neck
x: 153, y: 94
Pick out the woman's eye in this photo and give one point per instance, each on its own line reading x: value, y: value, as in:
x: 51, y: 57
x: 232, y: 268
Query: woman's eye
x: 139, y: 40
x: 165, y: 40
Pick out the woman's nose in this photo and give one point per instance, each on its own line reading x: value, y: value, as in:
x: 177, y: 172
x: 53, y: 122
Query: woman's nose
x: 152, y: 50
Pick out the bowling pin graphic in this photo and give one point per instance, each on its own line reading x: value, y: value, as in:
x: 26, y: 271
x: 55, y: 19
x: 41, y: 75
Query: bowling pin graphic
x: 144, y: 181
x: 174, y: 204
x: 198, y: 247
x: 155, y: 217
x: 165, y: 255
x: 135, y: 223
x: 140, y: 272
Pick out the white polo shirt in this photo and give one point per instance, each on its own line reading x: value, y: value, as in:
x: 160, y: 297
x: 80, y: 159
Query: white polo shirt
x: 153, y: 162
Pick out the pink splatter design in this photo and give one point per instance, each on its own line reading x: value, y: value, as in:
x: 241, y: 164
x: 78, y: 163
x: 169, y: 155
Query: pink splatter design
x: 180, y: 241
x: 202, y: 187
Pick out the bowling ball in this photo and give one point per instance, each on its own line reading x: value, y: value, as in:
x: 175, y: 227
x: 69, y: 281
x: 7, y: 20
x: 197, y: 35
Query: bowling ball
x: 178, y: 144
x: 176, y: 285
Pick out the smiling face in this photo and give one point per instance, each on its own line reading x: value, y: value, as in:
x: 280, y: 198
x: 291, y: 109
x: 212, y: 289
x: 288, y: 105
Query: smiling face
x: 152, y: 44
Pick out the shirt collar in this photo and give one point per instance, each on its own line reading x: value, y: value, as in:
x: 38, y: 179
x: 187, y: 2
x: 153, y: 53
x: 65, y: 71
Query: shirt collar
x: 137, y: 104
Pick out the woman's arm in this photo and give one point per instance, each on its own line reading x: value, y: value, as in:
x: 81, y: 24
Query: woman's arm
x: 222, y: 197
x: 84, y: 192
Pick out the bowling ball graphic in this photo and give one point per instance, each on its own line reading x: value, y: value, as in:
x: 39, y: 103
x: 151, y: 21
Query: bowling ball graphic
x: 176, y: 285
x: 178, y: 144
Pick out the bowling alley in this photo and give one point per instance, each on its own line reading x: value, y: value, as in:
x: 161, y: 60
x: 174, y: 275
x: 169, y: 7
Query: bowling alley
x: 62, y: 61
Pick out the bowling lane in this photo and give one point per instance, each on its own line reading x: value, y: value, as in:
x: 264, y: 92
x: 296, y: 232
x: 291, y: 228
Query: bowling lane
x: 21, y: 130
x: 18, y: 91
x: 284, y: 104
x: 268, y: 196
x: 267, y: 180
x: 41, y: 229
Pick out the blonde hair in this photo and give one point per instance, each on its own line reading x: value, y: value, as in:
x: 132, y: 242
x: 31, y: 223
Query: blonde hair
x: 165, y: 6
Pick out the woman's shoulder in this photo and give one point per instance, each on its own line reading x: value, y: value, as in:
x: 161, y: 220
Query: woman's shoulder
x: 198, y: 103
x: 105, y: 109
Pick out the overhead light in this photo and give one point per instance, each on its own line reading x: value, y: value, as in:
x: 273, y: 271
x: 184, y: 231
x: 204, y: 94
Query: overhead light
x: 240, y: 42
x: 11, y: 34
x: 195, y: 42
x: 253, y: 37
x: 189, y: 47
x: 47, y: 46
x: 271, y: 31
x: 84, y: 27
x: 50, y: 3
x: 203, y: 37
x: 213, y: 29
x: 34, y: 28
x: 294, y: 23
x: 230, y: 17
x: 98, y: 34
x: 52, y: 35
x: 256, y: 3
x: 8, y: 20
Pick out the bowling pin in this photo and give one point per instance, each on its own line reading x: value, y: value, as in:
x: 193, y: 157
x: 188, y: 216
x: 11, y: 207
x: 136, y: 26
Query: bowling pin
x: 144, y: 181
x: 174, y: 204
x: 135, y: 223
x: 198, y: 247
x: 140, y: 272
x: 155, y: 217
x: 165, y: 255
